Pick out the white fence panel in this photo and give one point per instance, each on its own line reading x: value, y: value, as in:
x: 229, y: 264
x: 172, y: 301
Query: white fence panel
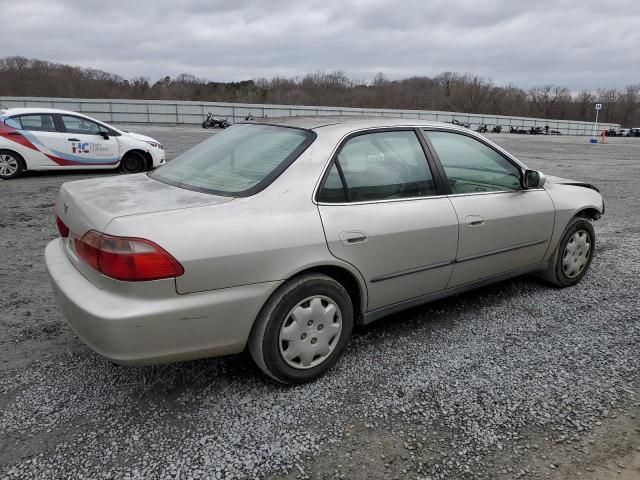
x: 192, y: 113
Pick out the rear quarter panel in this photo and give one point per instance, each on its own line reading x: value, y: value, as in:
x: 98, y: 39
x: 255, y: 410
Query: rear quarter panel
x: 266, y: 237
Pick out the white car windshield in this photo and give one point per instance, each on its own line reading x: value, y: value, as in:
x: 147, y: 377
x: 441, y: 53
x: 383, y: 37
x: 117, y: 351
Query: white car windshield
x: 240, y: 161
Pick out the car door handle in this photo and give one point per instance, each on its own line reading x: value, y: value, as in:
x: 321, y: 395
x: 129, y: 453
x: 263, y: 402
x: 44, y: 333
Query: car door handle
x: 475, y: 221
x: 73, y: 139
x: 15, y: 133
x: 353, y: 237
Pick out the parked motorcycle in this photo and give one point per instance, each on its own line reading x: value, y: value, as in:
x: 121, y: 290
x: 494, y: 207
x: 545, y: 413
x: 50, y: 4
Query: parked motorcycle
x: 212, y: 122
x: 481, y: 129
x: 248, y: 117
x: 460, y: 124
x: 496, y: 129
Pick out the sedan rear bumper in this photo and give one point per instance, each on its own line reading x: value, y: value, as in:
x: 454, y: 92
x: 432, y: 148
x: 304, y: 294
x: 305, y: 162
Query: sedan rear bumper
x: 134, y: 330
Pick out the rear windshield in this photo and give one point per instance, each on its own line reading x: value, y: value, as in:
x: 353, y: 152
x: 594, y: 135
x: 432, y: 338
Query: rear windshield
x: 240, y: 161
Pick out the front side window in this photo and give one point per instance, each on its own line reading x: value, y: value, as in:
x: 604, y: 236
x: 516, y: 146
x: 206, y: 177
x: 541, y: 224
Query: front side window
x: 80, y: 125
x: 240, y: 161
x: 379, y: 166
x: 473, y: 167
x: 37, y: 122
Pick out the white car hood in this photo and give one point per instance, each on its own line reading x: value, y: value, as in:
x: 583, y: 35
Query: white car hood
x: 566, y: 181
x: 138, y: 136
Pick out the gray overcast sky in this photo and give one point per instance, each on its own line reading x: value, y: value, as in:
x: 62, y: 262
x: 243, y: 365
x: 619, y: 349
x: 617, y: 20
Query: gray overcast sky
x: 575, y: 43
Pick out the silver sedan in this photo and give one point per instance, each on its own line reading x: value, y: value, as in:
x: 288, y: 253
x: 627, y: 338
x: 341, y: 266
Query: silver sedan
x: 281, y: 237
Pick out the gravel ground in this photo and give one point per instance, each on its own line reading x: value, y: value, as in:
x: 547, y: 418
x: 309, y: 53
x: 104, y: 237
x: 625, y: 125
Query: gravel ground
x: 516, y: 380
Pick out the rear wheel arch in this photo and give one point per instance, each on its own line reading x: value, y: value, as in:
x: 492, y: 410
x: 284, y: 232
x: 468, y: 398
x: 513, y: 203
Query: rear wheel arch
x: 345, y: 277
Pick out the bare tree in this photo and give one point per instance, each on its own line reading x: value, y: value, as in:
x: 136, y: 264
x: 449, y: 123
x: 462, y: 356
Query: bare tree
x: 450, y: 91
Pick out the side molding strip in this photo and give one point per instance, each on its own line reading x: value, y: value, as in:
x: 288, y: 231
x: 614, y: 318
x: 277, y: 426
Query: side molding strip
x: 377, y: 314
x: 501, y: 250
x: 389, y: 276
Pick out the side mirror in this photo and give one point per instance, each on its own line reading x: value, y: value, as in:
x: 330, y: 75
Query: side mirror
x: 104, y: 135
x: 533, y: 179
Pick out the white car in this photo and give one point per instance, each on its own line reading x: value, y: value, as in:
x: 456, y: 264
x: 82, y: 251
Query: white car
x: 51, y: 139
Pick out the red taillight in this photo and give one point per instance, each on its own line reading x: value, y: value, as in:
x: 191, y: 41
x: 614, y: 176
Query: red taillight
x: 129, y: 259
x: 62, y: 228
x: 88, y: 248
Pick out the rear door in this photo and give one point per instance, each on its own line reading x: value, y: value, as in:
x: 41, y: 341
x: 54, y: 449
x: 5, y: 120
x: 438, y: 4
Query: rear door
x: 502, y: 225
x: 84, y: 142
x: 382, y: 212
x: 35, y: 131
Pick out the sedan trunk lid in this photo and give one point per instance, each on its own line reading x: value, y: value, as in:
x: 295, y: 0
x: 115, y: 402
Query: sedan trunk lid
x: 92, y: 204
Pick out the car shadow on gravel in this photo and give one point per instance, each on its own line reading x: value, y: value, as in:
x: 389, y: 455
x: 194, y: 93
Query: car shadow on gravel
x: 441, y: 313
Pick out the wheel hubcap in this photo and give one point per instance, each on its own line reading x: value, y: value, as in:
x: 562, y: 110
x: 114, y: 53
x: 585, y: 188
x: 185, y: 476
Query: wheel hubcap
x: 8, y: 165
x: 310, y: 332
x: 576, y: 254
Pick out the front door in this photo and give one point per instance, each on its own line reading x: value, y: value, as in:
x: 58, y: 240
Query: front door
x: 502, y: 226
x: 381, y: 213
x: 83, y: 143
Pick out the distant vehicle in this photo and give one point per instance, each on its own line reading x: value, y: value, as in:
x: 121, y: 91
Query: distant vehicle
x: 461, y: 124
x: 52, y: 139
x: 634, y: 132
x: 280, y: 238
x: 212, y: 122
x: 612, y: 132
x: 624, y: 132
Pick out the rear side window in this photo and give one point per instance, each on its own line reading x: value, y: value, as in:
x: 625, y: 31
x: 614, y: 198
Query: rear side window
x: 379, y: 166
x: 13, y: 122
x: 473, y: 167
x: 240, y: 161
x: 333, y: 190
x: 36, y: 122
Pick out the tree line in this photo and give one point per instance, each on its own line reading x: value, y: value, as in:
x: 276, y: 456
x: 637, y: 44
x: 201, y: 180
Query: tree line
x: 448, y: 91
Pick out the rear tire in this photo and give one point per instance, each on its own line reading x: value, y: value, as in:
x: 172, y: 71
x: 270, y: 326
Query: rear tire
x: 133, y: 162
x: 11, y: 165
x: 572, y: 258
x: 302, y: 329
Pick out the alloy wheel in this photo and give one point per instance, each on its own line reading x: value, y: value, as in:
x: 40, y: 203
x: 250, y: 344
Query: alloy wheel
x: 8, y: 165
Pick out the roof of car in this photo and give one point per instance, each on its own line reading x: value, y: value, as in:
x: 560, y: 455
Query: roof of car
x: 25, y: 110
x: 354, y: 122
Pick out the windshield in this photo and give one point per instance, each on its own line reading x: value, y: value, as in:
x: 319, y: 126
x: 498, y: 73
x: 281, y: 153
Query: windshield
x: 240, y: 161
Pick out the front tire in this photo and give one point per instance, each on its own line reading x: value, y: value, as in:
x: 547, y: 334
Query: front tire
x: 573, y: 256
x: 205, y: 125
x: 133, y: 162
x: 11, y: 165
x: 302, y: 329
